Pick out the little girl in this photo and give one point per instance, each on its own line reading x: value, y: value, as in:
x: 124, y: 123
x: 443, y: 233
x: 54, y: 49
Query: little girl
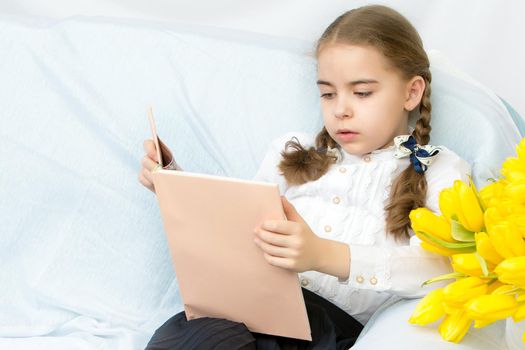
x: 348, y: 190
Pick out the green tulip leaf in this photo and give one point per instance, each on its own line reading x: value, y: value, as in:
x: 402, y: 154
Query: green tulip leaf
x: 460, y: 247
x: 480, y: 200
x: 492, y: 276
x: 445, y: 277
x: 459, y: 233
x: 483, y: 264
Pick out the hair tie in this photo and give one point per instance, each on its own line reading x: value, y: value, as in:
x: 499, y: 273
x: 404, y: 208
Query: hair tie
x: 420, y: 156
x: 331, y: 151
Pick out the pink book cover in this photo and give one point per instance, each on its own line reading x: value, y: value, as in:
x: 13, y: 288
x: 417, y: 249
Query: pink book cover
x: 209, y: 222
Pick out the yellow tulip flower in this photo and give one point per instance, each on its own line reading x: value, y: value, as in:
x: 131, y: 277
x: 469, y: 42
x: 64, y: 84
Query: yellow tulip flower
x: 468, y: 209
x: 519, y: 315
x: 495, y: 285
x: 520, y: 295
x: 429, y: 309
x: 491, y: 193
x: 512, y: 271
x: 455, y: 326
x: 513, y: 169
x: 447, y: 202
x: 504, y: 289
x: 485, y: 249
x: 467, y: 263
x: 451, y: 310
x: 435, y: 233
x: 498, y: 237
x: 514, y: 239
x: 506, y: 239
x: 520, y: 150
x: 519, y: 221
x: 456, y: 294
x: 516, y: 191
x: 482, y: 323
x: 490, y: 308
x: 423, y: 219
x: 491, y: 217
x: 508, y: 206
x: 517, y: 209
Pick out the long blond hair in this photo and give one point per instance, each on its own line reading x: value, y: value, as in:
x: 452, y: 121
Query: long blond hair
x: 393, y: 35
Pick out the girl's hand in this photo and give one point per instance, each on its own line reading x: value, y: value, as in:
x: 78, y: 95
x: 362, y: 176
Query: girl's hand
x: 149, y: 161
x: 289, y: 244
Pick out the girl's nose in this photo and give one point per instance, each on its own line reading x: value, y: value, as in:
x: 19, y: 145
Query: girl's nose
x: 342, y: 108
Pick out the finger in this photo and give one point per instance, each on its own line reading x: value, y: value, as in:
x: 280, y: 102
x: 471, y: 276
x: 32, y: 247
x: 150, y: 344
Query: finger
x: 147, y: 175
x: 148, y: 163
x: 149, y: 145
x: 278, y: 261
x: 277, y: 239
x: 151, y: 150
x: 272, y: 249
x: 146, y: 183
x: 279, y: 226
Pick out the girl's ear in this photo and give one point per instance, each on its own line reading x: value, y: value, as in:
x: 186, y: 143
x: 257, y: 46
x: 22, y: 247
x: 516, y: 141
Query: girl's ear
x: 414, y: 92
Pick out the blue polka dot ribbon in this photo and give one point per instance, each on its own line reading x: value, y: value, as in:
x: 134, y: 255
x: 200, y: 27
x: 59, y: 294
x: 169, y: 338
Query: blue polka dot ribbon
x: 420, y: 156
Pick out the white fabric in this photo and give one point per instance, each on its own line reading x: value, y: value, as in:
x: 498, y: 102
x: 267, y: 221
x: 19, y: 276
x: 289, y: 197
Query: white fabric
x: 347, y: 205
x: 514, y: 334
x: 84, y: 261
x: 389, y: 329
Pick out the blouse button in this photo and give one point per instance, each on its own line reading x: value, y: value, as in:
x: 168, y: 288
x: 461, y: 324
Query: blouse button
x: 304, y: 282
x: 336, y: 200
x: 327, y: 228
x: 373, y: 281
x: 367, y: 158
x: 360, y: 279
x: 342, y: 169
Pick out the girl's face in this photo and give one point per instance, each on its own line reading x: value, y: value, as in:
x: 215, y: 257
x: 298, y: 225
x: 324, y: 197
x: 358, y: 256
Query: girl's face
x: 364, y: 101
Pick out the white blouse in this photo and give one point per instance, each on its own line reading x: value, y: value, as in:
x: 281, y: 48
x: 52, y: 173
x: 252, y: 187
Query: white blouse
x: 347, y: 205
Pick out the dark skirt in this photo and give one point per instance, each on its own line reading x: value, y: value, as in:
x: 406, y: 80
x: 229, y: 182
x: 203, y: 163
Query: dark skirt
x: 331, y: 327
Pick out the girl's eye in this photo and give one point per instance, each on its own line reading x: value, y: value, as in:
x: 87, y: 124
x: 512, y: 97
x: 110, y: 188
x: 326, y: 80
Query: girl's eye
x: 327, y: 95
x: 363, y: 94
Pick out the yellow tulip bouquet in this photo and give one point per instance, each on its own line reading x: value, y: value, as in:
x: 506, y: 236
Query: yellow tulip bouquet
x: 483, y: 233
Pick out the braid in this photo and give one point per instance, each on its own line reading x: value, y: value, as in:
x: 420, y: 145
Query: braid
x: 422, y: 130
x: 301, y: 165
x: 409, y: 189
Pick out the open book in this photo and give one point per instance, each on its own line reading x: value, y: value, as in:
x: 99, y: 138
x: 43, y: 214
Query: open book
x: 209, y: 222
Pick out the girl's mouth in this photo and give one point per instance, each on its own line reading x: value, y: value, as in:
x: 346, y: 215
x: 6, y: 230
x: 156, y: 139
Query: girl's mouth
x: 346, y: 135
